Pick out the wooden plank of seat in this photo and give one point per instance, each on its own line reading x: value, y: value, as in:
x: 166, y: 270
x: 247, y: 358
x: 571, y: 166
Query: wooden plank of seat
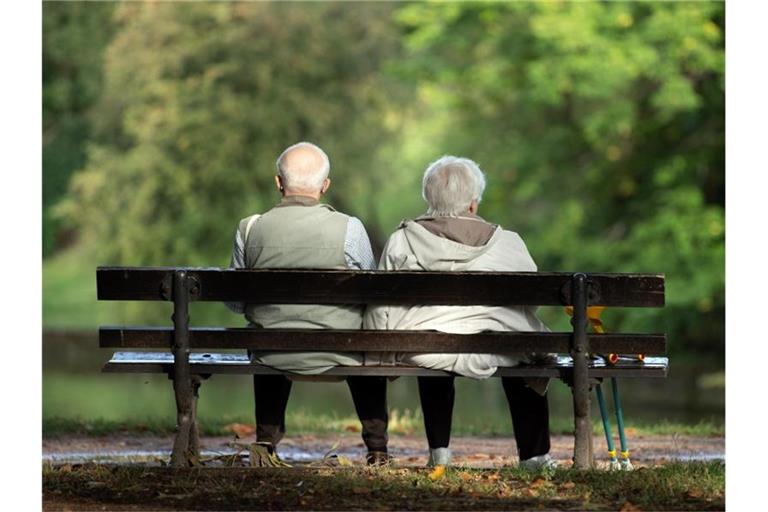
x: 378, y: 341
x: 212, y: 363
x: 359, y: 287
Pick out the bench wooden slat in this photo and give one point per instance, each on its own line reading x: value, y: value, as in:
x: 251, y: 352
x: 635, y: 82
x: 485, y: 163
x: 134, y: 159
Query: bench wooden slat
x: 378, y: 341
x: 239, y: 364
x: 358, y: 287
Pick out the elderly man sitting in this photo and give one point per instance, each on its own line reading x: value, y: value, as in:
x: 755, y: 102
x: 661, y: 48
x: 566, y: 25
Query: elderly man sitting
x: 301, y: 232
x: 451, y: 237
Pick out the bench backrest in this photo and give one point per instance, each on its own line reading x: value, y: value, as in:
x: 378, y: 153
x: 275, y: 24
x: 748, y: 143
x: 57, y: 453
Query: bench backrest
x: 396, y: 288
x: 350, y: 287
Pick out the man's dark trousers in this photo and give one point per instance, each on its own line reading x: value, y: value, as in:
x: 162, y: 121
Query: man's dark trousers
x: 369, y: 395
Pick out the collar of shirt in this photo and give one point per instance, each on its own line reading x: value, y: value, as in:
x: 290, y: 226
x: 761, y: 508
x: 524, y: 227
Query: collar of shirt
x: 298, y: 200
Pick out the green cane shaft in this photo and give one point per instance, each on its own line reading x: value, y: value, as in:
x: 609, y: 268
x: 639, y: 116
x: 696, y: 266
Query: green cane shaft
x: 604, y: 416
x: 619, y: 413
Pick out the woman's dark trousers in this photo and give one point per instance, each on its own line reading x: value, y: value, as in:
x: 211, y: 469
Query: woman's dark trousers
x: 529, y: 411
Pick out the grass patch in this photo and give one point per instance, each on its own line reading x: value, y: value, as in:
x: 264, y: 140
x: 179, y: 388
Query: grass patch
x: 69, y: 291
x: 680, y: 486
x: 301, y: 422
x: 69, y: 299
x: 298, y: 422
x: 100, y: 427
x: 700, y: 429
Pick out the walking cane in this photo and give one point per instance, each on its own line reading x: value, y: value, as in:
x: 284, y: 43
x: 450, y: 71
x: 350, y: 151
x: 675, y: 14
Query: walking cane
x: 614, y: 463
x: 593, y: 314
x: 626, y: 465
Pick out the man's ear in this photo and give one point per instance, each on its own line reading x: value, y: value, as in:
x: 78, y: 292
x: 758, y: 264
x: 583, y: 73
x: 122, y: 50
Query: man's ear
x: 326, y: 186
x: 473, y: 207
x: 279, y: 183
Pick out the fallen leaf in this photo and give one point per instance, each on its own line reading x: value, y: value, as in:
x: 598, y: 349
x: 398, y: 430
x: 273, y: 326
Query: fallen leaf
x: 241, y: 429
x: 538, y: 483
x: 629, y: 507
x: 352, y: 428
x: 361, y: 490
x: 330, y: 453
x: 465, y: 476
x: 437, y: 473
x: 567, y: 485
x: 343, y: 461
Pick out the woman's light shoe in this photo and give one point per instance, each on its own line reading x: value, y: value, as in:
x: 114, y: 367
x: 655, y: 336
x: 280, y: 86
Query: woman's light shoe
x: 539, y: 462
x: 439, y: 457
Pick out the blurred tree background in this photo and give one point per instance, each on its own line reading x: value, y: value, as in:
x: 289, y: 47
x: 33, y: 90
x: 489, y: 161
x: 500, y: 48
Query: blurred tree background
x: 600, y: 127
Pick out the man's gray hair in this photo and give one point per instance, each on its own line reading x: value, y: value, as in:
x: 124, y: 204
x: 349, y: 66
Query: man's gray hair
x: 451, y: 184
x: 306, y: 175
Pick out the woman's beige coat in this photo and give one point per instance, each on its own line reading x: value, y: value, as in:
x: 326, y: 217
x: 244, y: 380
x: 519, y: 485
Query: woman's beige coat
x: 412, y: 247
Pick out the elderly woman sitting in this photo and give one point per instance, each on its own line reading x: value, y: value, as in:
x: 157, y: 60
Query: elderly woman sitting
x: 452, y: 237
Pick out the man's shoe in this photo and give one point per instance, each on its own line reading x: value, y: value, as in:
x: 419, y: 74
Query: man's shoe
x: 439, y: 457
x: 376, y: 458
x: 264, y: 455
x: 539, y: 462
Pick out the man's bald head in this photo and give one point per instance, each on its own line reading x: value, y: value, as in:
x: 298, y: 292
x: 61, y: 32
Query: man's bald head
x: 303, y: 169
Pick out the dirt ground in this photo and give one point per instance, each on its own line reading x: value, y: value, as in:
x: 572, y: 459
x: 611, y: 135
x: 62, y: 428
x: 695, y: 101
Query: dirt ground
x: 76, y: 482
x: 409, y: 451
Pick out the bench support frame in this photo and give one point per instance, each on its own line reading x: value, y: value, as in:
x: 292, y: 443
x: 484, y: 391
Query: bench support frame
x: 582, y: 451
x: 186, y: 446
x: 182, y: 285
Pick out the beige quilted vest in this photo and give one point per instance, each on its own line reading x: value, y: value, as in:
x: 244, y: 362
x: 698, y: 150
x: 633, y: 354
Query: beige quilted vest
x: 298, y: 233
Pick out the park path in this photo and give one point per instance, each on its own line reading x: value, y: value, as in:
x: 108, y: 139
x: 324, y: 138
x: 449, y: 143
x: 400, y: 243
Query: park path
x: 409, y: 450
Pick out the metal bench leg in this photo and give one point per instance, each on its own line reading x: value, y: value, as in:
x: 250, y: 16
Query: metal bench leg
x: 182, y: 378
x: 194, y: 437
x: 582, y: 453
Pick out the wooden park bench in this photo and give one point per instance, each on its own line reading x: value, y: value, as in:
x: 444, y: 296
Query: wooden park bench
x: 190, y: 359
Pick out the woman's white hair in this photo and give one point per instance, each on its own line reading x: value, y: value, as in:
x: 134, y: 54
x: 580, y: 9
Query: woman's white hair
x: 304, y: 173
x: 451, y: 184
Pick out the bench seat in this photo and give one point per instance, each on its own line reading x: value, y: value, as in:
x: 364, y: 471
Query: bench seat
x: 202, y: 363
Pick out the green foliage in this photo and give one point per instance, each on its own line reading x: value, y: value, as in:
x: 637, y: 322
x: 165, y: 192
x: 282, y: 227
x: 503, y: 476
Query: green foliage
x: 600, y: 126
x: 198, y: 102
x: 74, y: 37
